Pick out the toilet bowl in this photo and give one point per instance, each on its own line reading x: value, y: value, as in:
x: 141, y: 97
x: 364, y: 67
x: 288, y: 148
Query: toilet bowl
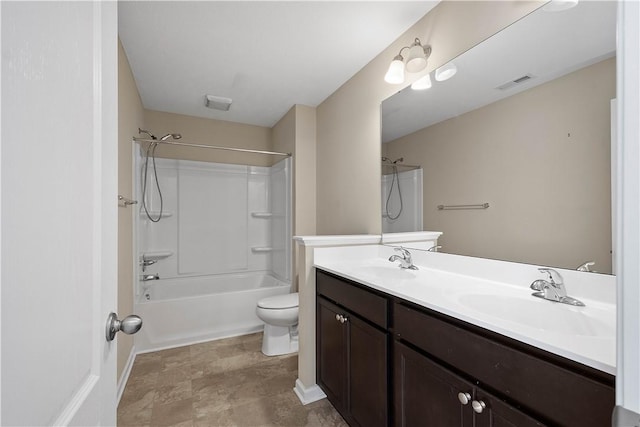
x: 280, y: 315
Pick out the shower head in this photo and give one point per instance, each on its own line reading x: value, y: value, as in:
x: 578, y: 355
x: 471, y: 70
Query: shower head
x: 400, y: 160
x: 171, y: 135
x: 152, y: 136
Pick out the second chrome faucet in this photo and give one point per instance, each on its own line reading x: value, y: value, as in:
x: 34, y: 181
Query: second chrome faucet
x: 553, y: 289
x: 405, y: 259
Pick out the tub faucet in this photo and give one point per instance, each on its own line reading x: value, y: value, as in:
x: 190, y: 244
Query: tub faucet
x: 405, y: 260
x: 553, y: 289
x: 147, y: 277
x: 146, y: 263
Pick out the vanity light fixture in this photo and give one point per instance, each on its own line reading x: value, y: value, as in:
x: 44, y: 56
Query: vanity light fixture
x: 447, y: 71
x: 416, y: 62
x: 422, y: 83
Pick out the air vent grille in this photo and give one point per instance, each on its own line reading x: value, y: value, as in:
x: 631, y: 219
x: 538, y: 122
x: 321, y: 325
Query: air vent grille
x: 515, y: 82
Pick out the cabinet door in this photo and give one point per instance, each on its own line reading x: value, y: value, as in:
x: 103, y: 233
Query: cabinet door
x: 492, y: 412
x: 331, y: 347
x: 425, y: 394
x: 367, y: 373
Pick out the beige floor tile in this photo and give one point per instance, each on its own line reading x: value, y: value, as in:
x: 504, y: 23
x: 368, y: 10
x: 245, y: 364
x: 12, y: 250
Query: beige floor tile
x: 169, y: 414
x: 219, y: 383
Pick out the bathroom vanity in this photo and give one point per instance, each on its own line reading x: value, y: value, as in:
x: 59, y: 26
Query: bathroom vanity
x: 383, y: 359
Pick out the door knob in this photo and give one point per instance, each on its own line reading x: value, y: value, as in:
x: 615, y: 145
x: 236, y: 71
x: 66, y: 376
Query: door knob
x: 129, y: 325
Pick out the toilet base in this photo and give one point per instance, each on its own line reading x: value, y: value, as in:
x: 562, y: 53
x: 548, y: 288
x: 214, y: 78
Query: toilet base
x: 278, y: 340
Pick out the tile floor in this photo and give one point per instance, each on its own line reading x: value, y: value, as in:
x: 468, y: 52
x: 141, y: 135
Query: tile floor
x: 219, y: 383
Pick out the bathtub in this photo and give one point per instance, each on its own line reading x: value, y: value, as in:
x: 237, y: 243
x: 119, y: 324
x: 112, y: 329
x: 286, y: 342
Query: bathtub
x: 183, y: 311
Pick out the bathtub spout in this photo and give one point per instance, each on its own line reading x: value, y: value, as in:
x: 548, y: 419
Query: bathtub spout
x: 147, y: 277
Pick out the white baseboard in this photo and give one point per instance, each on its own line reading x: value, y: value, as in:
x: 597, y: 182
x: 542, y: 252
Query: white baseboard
x: 308, y: 394
x: 122, y: 381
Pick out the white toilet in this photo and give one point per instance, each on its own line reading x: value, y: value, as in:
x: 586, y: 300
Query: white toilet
x: 280, y: 315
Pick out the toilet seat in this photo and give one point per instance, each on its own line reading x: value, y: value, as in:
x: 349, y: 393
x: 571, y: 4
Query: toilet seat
x: 279, y: 302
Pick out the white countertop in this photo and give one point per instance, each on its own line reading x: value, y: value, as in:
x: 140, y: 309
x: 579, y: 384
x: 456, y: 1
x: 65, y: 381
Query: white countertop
x: 583, y: 334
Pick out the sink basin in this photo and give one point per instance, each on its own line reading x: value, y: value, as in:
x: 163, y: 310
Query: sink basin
x: 540, y: 314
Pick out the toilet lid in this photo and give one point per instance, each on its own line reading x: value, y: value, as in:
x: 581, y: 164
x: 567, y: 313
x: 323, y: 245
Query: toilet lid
x: 279, y: 301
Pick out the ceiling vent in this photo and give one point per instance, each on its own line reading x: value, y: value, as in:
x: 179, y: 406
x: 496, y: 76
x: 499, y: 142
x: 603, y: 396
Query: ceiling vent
x: 217, y: 102
x: 516, y: 82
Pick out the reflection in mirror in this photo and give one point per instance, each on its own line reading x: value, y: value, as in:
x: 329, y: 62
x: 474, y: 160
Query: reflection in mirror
x: 525, y: 127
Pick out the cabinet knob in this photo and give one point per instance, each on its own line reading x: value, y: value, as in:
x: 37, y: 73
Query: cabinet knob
x: 342, y: 319
x: 478, y: 406
x: 464, y: 398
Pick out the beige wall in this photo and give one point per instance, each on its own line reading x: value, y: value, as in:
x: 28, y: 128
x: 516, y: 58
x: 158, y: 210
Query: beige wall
x: 198, y: 130
x: 348, y: 122
x: 296, y: 133
x: 541, y: 158
x: 130, y: 117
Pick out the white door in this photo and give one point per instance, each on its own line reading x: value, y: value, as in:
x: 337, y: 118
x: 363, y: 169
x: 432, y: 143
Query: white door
x: 58, y: 212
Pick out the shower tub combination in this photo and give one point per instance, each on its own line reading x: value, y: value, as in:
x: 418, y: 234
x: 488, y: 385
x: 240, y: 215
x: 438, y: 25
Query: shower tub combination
x: 189, y: 310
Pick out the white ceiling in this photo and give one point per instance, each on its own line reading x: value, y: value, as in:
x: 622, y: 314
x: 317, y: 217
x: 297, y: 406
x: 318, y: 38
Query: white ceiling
x: 266, y: 56
x: 544, y: 44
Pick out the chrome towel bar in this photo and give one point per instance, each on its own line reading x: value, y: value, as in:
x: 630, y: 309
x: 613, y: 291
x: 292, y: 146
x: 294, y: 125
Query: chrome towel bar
x: 454, y: 207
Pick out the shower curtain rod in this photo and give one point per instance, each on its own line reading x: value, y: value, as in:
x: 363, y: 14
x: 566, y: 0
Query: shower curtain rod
x: 214, y: 147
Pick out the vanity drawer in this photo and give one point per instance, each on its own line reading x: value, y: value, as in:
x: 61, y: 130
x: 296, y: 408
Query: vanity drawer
x: 565, y: 396
x: 367, y: 304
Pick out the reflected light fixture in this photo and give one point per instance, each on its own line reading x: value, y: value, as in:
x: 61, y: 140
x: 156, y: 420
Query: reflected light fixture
x: 422, y: 83
x: 416, y: 61
x: 445, y: 72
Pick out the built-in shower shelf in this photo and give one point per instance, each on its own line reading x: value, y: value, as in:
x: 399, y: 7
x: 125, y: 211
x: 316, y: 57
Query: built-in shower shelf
x: 155, y: 214
x: 261, y: 249
x: 157, y: 255
x: 261, y: 214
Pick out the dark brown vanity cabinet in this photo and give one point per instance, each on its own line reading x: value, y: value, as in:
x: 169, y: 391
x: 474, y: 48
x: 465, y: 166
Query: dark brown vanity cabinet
x: 534, y: 387
x: 427, y: 394
x: 351, y: 354
x: 384, y: 361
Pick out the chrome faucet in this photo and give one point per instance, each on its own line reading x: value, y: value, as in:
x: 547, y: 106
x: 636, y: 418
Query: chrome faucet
x: 405, y: 260
x: 585, y: 266
x: 147, y: 277
x: 434, y: 248
x: 553, y: 289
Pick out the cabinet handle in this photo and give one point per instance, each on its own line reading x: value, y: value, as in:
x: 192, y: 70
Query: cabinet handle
x: 464, y: 398
x: 478, y: 406
x: 342, y: 319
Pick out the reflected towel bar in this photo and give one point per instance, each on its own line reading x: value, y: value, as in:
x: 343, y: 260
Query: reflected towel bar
x: 453, y: 207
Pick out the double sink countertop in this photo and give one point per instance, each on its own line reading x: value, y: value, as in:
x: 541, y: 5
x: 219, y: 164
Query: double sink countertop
x: 494, y: 295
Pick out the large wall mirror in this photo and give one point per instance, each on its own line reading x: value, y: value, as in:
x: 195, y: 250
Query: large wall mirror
x: 511, y: 157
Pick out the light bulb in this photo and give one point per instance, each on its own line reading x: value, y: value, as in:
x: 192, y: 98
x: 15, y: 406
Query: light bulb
x: 446, y: 72
x: 422, y: 83
x: 416, y: 60
x: 395, y: 74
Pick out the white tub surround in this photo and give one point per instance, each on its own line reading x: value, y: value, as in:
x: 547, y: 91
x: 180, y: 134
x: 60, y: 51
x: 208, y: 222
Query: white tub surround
x: 494, y: 295
x: 217, y: 219
x: 222, y: 244
x: 305, y: 387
